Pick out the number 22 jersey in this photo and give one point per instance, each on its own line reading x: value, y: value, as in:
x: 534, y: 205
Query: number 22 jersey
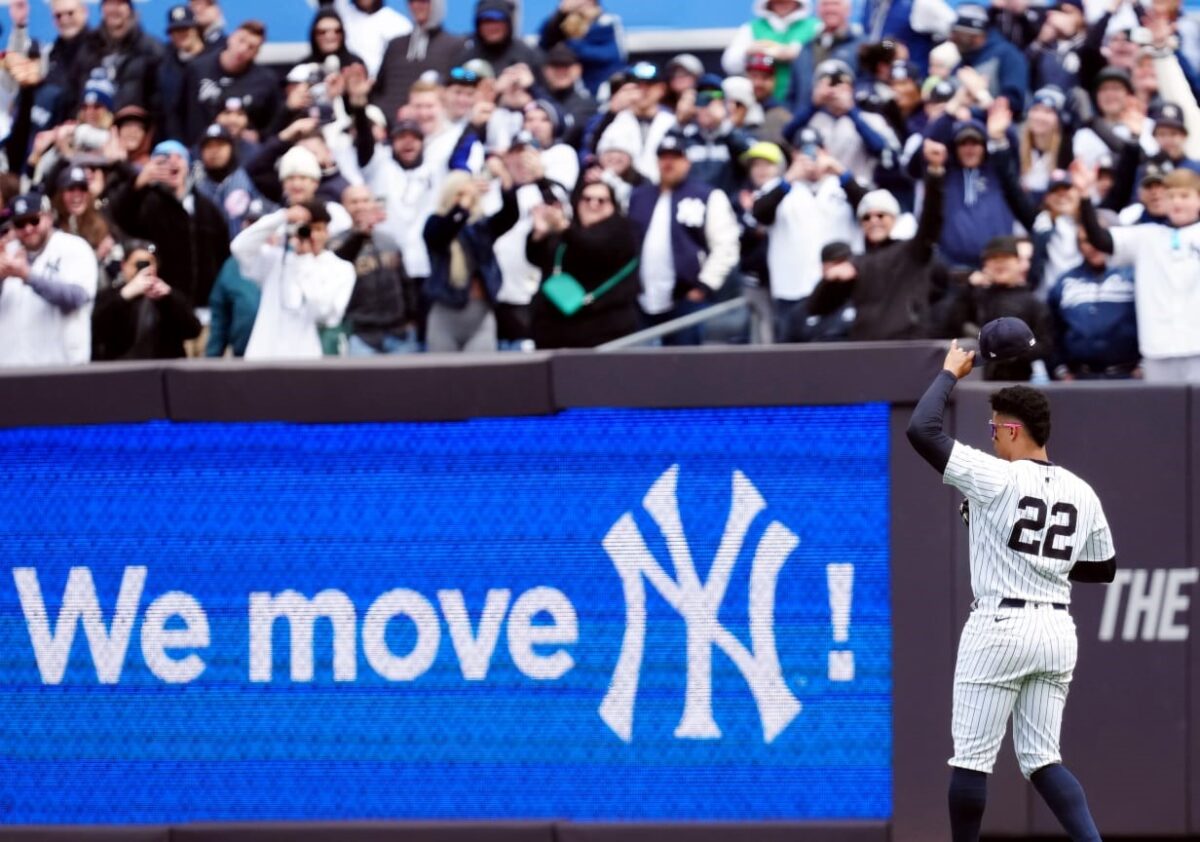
x: 1030, y: 523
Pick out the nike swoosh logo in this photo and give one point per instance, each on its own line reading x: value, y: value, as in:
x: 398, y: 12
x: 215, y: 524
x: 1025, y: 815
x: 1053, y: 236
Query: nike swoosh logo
x: 1000, y: 619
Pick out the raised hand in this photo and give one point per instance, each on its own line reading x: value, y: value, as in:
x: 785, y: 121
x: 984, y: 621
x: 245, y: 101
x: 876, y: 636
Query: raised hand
x: 1083, y: 176
x: 935, y: 155
x: 999, y: 119
x: 959, y: 362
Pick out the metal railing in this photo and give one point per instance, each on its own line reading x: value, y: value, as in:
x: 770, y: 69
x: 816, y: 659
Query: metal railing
x: 650, y: 334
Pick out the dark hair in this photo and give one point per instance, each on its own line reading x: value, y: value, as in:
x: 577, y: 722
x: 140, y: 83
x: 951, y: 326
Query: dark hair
x: 317, y: 210
x: 1029, y: 406
x: 255, y: 27
x: 577, y: 193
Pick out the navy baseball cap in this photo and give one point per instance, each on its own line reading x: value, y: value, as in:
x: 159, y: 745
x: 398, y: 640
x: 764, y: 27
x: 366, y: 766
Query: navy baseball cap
x: 216, y: 132
x: 943, y: 91
x: 1059, y: 179
x: 1005, y: 338
x: 673, y: 143
x: 645, y: 71
x: 1169, y: 115
x: 1051, y: 97
x: 972, y: 18
x: 902, y: 69
x: 73, y: 177
x: 411, y: 127
x: 808, y: 141
x: 1114, y: 74
x: 181, y: 17
x: 836, y: 69
x: 27, y: 204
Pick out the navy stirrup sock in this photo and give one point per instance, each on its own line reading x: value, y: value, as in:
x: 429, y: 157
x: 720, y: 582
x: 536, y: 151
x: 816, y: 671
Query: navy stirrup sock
x: 1064, y: 795
x: 968, y: 797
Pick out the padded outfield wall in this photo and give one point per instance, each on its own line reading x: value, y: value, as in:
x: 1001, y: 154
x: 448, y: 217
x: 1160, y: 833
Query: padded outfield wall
x: 571, y: 596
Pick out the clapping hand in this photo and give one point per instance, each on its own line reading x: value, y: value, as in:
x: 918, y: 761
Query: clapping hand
x: 14, y: 265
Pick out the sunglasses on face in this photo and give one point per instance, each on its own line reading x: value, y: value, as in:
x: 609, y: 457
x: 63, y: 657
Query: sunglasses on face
x: 335, y: 30
x: 595, y: 200
x: 70, y: 13
x: 1011, y: 425
x: 20, y: 223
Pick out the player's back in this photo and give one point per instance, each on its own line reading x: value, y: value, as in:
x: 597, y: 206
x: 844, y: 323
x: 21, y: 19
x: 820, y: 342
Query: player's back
x: 1030, y: 523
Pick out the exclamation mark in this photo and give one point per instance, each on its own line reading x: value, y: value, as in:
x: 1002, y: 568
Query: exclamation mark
x: 840, y: 578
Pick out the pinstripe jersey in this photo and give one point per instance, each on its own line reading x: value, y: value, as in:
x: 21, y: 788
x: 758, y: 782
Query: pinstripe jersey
x: 1030, y: 522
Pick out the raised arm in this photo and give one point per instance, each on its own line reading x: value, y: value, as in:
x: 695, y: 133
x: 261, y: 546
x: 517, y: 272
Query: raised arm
x: 925, y: 431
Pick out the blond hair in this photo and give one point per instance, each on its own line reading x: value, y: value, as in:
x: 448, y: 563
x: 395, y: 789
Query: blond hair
x: 1182, y: 179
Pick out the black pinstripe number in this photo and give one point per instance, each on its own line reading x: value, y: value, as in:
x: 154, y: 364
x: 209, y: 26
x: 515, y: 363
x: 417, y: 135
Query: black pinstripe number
x: 1033, y: 519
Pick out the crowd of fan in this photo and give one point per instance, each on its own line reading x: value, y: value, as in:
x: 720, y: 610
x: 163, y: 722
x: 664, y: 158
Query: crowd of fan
x: 405, y: 188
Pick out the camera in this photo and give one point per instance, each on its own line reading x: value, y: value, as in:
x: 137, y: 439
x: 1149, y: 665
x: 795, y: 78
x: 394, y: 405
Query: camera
x: 89, y: 138
x: 141, y: 265
x: 304, y: 232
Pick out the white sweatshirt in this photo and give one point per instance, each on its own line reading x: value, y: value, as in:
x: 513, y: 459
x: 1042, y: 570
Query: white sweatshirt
x: 299, y: 292
x: 368, y: 34
x: 37, y: 332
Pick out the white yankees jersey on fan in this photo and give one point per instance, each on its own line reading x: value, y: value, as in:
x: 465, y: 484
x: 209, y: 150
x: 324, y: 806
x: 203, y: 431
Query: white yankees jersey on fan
x: 1030, y: 522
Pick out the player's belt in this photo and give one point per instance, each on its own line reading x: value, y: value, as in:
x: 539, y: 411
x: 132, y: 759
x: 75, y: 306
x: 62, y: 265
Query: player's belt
x: 1010, y: 602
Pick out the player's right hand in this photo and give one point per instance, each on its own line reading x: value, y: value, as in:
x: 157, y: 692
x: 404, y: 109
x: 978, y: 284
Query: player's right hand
x: 959, y: 362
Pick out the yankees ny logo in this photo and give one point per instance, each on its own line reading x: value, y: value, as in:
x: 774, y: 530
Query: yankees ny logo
x: 699, y: 605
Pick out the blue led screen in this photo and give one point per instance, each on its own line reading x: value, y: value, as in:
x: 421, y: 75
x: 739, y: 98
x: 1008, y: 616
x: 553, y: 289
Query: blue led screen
x: 598, y: 615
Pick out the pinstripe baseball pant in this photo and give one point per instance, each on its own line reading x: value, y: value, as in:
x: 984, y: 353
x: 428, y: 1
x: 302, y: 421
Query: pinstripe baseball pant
x: 1012, y: 661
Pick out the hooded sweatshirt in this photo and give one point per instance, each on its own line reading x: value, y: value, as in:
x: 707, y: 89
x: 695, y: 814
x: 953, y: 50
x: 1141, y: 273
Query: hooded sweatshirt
x: 508, y: 51
x: 316, y: 56
x: 425, y: 48
x: 798, y: 28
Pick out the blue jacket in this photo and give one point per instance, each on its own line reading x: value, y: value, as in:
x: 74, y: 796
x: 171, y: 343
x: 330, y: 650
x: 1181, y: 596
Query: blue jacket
x: 890, y: 19
x: 688, y: 242
x: 980, y: 203
x: 1002, y: 63
x: 601, y: 51
x: 715, y: 157
x: 1094, y: 317
x: 477, y: 240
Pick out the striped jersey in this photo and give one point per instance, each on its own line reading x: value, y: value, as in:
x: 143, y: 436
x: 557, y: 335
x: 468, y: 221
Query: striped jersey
x: 1030, y: 522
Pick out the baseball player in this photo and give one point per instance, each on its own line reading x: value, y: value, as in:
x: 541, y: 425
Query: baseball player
x: 1035, y: 527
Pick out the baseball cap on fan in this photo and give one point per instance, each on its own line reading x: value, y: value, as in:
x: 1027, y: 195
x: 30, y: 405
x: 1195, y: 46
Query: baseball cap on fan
x: 1006, y: 338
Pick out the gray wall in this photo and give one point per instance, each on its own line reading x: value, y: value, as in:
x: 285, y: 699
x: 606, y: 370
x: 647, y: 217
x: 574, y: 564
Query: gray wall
x: 1132, y: 730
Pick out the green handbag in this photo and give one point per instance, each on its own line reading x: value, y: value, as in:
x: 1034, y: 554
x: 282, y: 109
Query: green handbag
x: 568, y: 295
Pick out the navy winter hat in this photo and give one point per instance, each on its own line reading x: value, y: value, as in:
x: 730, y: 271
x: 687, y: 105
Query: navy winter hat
x: 1005, y: 338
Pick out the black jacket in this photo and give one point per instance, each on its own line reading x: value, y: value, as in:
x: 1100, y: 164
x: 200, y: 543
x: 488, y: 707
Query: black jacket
x: 131, y: 63
x: 896, y: 283
x: 505, y: 54
x: 191, y: 247
x: 405, y: 59
x: 206, y: 86
x: 141, y: 329
x: 994, y: 302
x: 592, y: 255
x: 384, y: 301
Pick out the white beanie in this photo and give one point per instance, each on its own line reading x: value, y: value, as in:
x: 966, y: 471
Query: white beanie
x: 946, y: 53
x: 299, y: 161
x: 739, y: 89
x: 621, y: 136
x: 878, y: 201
